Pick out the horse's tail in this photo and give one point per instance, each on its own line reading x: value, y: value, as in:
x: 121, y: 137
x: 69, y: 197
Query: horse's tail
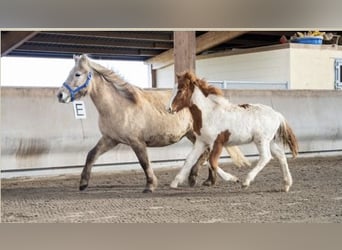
x: 286, y: 135
x: 237, y: 157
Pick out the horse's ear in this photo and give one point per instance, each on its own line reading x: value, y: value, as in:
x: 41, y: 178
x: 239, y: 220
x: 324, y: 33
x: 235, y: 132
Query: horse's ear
x: 76, y: 57
x: 83, y: 59
x: 178, y: 75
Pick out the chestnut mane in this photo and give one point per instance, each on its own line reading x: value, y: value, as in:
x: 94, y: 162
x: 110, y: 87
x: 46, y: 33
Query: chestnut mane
x: 200, y: 83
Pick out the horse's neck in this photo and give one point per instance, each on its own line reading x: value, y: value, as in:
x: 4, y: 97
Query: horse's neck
x: 103, y: 95
x: 220, y: 100
x: 207, y: 103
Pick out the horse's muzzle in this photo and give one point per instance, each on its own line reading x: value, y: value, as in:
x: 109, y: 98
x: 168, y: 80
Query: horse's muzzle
x: 63, y: 97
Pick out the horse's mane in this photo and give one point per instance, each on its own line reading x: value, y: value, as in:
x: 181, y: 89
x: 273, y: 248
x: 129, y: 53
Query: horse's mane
x: 125, y: 89
x: 202, y: 84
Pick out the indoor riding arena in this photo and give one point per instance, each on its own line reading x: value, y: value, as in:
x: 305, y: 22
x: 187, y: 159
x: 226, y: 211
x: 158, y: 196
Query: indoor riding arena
x: 52, y: 136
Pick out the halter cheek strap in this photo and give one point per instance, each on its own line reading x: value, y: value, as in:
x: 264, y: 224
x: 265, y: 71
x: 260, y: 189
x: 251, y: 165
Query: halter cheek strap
x: 74, y: 91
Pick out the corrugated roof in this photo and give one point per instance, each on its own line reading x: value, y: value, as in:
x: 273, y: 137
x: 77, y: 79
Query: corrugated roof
x: 119, y: 45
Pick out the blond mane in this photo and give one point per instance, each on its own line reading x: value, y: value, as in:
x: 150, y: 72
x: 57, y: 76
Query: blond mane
x: 124, y: 88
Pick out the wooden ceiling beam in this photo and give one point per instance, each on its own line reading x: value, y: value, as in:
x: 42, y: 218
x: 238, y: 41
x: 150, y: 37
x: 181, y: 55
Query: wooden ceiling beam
x: 214, y: 38
x: 110, y: 43
x: 203, y: 42
x: 133, y: 35
x: 85, y: 49
x: 13, y: 39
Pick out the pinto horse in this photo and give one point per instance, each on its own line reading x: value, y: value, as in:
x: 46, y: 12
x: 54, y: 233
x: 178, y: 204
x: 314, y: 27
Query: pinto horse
x: 218, y: 123
x: 131, y: 116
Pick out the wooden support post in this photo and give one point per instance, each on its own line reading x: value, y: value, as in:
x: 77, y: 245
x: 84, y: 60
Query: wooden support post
x: 184, y: 51
x: 152, y: 77
x: 203, y: 42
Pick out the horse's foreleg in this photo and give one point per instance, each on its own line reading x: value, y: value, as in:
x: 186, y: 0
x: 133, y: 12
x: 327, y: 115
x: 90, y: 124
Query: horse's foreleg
x: 197, y: 150
x: 265, y: 157
x: 141, y: 152
x: 195, y: 169
x: 102, y: 146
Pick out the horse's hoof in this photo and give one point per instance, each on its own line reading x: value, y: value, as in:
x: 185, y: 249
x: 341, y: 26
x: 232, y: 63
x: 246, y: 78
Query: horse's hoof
x: 207, y: 183
x: 244, y: 186
x: 84, y: 186
x: 192, y: 181
x: 174, y: 184
x: 287, y: 185
x: 146, y: 190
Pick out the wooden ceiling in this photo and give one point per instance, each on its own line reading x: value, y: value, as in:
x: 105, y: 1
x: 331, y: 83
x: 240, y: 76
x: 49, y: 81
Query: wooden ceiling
x: 122, y: 45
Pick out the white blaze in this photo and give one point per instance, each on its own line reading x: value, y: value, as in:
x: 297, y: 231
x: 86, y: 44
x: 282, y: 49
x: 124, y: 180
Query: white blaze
x: 174, y: 93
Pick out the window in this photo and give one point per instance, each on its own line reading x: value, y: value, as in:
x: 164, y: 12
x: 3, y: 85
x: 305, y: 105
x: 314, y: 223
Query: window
x: 338, y: 74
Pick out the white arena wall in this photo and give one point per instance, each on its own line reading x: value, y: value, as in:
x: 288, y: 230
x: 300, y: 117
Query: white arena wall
x: 302, y: 66
x: 39, y: 133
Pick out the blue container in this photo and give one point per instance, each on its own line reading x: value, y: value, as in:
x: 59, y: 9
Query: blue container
x: 309, y: 40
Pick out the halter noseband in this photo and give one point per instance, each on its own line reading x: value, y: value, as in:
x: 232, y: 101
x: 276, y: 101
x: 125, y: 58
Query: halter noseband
x: 73, y: 92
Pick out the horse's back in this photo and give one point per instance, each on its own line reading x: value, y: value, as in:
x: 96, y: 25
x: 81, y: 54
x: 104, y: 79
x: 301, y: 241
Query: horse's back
x: 158, y: 98
x: 246, y: 122
x: 258, y: 111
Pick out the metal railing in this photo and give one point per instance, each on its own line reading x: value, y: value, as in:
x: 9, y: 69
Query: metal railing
x: 249, y: 85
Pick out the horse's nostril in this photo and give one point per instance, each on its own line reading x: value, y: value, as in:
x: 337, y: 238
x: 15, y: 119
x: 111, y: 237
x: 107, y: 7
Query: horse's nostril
x: 170, y: 111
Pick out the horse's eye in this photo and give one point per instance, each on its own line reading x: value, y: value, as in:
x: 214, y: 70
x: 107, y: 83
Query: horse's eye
x: 77, y: 74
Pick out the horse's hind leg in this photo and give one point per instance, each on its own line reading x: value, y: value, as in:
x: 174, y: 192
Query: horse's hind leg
x: 102, y: 146
x: 141, y: 153
x: 213, y: 160
x: 265, y: 156
x: 279, y: 153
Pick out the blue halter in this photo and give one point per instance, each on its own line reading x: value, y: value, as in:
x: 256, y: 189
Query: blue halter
x: 73, y: 92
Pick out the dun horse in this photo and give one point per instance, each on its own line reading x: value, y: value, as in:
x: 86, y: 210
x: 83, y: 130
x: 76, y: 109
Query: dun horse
x: 131, y: 116
x: 219, y: 123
